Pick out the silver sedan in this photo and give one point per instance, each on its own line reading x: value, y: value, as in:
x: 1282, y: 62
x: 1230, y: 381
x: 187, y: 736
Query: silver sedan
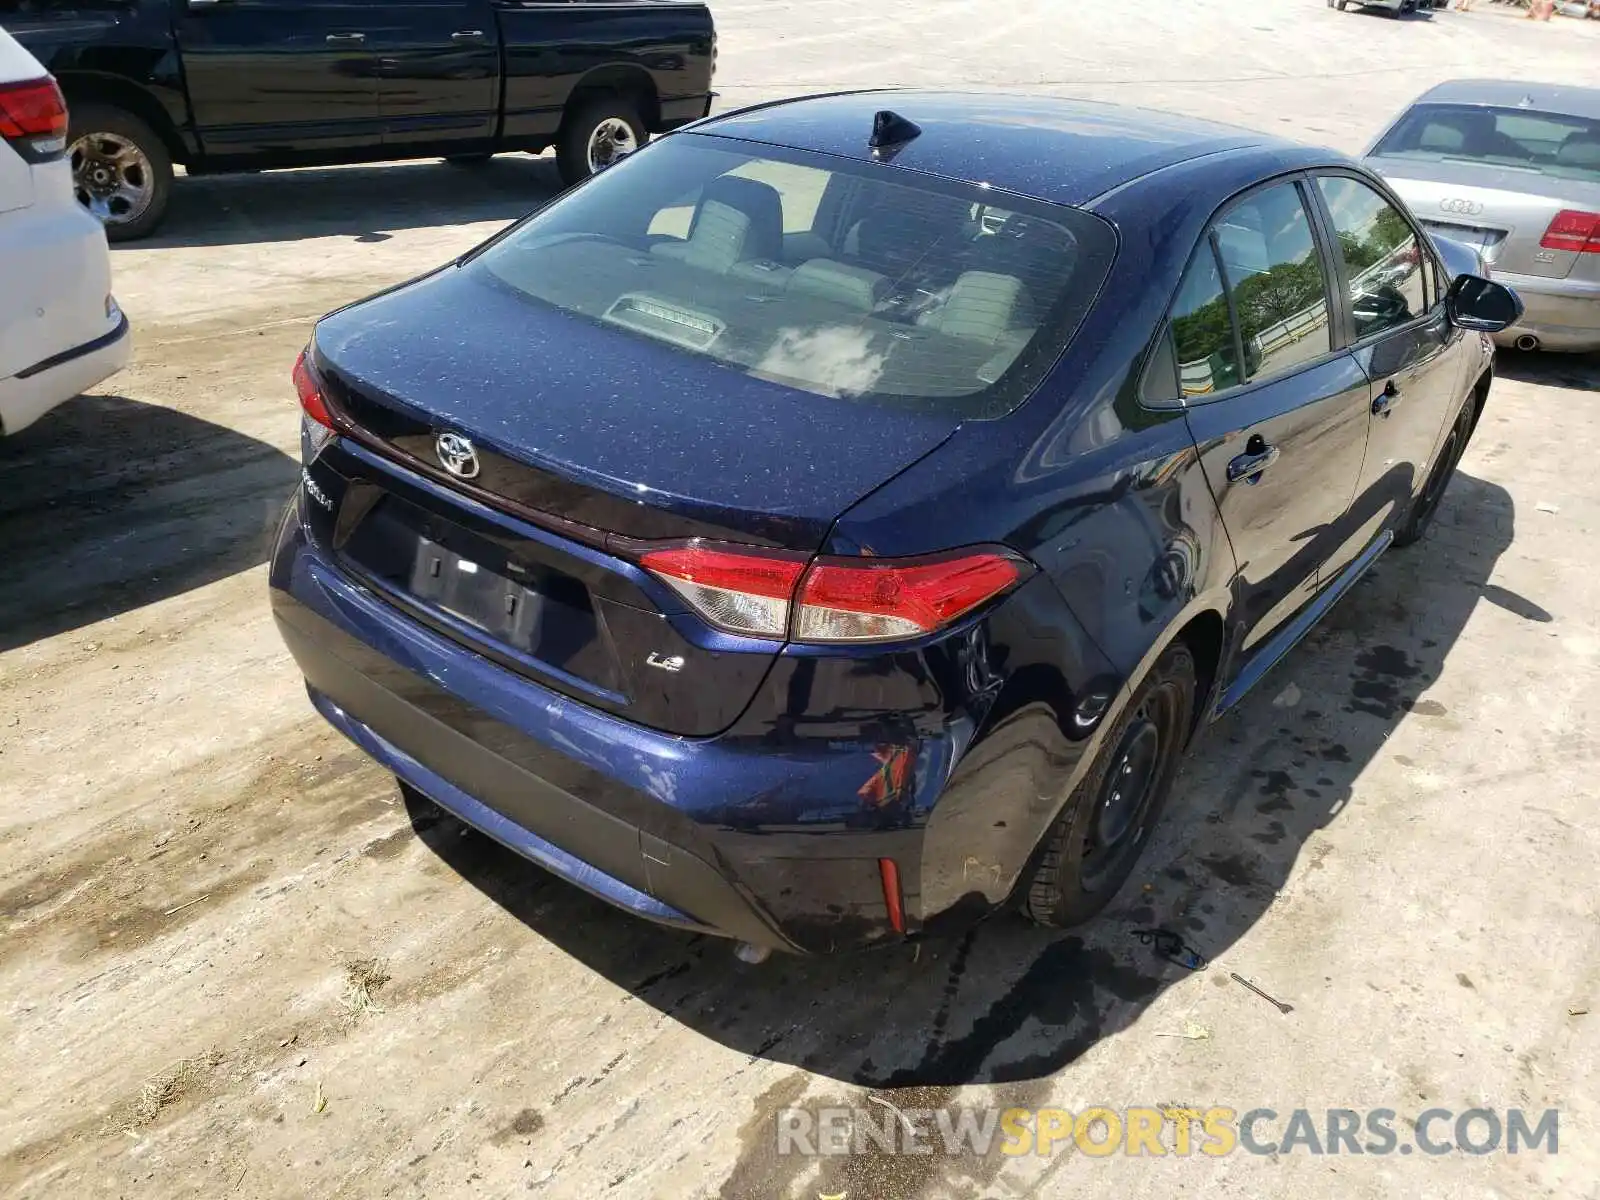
x: 1514, y: 170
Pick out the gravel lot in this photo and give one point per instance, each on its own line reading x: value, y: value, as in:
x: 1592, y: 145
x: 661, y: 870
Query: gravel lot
x: 232, y: 966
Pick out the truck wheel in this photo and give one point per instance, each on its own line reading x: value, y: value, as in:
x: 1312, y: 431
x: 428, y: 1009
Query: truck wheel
x: 121, y: 171
x: 596, y: 134
x: 1091, y: 849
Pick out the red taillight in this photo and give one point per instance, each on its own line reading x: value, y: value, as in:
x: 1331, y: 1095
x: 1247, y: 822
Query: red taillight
x: 867, y: 600
x: 835, y: 599
x: 734, y: 590
x: 310, y: 391
x: 33, y: 117
x: 1573, y: 229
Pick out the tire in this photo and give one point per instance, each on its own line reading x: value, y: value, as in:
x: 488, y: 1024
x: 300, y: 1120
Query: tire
x: 121, y: 170
x: 584, y: 124
x: 1426, y: 502
x: 1074, y: 878
x: 470, y: 162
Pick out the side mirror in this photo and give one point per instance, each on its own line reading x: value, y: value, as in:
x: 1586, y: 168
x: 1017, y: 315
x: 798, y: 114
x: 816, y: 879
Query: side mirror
x: 1477, y: 303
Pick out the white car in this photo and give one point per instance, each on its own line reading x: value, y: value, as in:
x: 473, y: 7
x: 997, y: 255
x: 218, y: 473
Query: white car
x: 60, y: 329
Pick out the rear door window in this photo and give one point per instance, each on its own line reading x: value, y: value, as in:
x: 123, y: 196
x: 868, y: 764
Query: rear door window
x: 1274, y: 273
x: 1202, y: 329
x: 1254, y: 302
x: 844, y: 279
x: 1382, y: 255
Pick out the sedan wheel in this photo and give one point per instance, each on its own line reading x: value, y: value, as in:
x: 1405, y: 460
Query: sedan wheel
x: 1103, y: 829
x: 1444, y: 469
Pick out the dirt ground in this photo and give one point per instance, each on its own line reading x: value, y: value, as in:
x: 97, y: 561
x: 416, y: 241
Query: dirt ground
x: 234, y: 964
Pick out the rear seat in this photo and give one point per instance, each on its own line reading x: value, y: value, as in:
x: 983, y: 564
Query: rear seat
x: 737, y: 221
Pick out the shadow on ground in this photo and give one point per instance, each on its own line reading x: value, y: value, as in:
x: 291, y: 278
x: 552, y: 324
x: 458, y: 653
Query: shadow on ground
x: 1009, y: 1005
x: 107, y: 504
x: 365, y: 202
x: 1580, y: 371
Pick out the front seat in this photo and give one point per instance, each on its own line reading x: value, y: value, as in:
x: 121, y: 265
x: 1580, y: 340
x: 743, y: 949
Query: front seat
x: 737, y: 220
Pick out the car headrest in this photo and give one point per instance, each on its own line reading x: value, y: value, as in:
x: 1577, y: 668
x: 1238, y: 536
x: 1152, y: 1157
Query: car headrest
x: 892, y: 241
x: 843, y: 284
x: 982, y: 306
x: 1440, y: 138
x: 736, y: 220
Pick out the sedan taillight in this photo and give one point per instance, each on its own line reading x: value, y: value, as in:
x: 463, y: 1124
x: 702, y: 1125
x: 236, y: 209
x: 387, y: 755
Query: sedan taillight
x: 834, y: 600
x: 1573, y: 229
x: 309, y: 389
x: 33, y: 119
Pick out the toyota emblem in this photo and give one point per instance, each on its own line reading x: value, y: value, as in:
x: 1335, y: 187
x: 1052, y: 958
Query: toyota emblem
x: 1469, y: 208
x: 457, y: 455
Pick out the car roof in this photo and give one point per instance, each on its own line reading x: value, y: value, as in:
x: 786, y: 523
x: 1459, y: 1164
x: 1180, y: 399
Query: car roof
x: 1506, y: 93
x: 1048, y: 147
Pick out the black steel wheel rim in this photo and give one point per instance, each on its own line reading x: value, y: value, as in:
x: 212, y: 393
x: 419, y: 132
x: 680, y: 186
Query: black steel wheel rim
x: 1117, y: 824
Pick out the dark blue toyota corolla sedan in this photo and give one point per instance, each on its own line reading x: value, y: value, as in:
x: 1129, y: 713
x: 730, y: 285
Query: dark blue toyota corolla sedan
x: 835, y: 519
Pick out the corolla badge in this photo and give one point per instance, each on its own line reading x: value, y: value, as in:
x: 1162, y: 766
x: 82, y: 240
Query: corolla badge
x: 457, y: 455
x: 1470, y: 208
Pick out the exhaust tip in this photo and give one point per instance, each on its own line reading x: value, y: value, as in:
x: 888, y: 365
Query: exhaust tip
x: 749, y: 952
x: 1527, y: 342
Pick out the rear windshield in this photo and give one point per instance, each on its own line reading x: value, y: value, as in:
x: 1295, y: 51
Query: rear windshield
x: 1552, y: 143
x: 844, y: 279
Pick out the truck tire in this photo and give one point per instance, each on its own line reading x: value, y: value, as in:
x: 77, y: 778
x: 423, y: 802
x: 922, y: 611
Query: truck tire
x: 121, y: 170
x: 596, y: 133
x: 1096, y: 841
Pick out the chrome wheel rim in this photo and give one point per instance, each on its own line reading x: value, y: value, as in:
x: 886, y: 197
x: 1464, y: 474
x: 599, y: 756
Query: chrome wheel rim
x: 112, y: 177
x: 612, y: 139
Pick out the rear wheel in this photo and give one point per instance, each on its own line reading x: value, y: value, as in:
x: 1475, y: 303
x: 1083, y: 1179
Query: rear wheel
x: 121, y: 171
x: 1444, y: 468
x: 597, y: 133
x: 1096, y: 841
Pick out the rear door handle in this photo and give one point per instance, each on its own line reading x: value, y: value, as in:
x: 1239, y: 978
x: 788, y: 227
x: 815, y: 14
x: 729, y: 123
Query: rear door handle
x: 469, y: 37
x: 345, y: 39
x: 1387, y: 399
x: 1257, y: 457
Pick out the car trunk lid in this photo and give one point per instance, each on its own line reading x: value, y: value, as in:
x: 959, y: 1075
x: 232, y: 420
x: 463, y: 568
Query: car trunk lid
x: 586, y: 442
x: 1502, y: 211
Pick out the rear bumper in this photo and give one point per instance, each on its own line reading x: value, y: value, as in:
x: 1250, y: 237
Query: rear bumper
x: 1563, y: 314
x: 727, y: 835
x: 35, y: 390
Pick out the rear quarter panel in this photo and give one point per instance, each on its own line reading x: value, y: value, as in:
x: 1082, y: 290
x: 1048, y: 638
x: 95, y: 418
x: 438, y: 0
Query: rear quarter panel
x: 57, y: 273
x: 1109, y: 498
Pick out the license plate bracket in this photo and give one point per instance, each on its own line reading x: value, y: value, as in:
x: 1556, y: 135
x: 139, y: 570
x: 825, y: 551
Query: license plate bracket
x: 503, y: 608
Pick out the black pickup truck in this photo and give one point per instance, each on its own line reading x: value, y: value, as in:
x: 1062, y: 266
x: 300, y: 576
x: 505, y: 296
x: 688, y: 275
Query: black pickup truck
x: 231, y: 85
